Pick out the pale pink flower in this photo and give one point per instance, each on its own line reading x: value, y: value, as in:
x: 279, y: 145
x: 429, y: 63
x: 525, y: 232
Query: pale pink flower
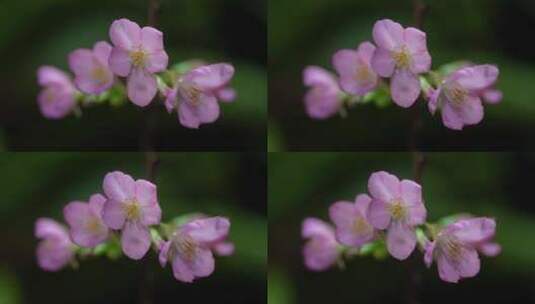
x: 323, y: 98
x: 137, y: 53
x: 93, y: 76
x: 57, y: 99
x: 321, y: 249
x: 350, y: 219
x: 354, y: 67
x: 398, y: 207
x: 85, y: 221
x: 55, y: 250
x: 402, y: 55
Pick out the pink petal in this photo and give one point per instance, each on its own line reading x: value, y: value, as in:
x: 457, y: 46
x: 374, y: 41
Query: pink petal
x: 405, y: 88
x: 384, y: 186
x: 400, y: 240
x: 477, y: 77
x: 56, y: 101
x: 474, y: 230
x: 411, y: 194
x: 203, y: 264
x: 490, y: 249
x: 429, y: 249
x: 446, y: 271
x: 102, y: 51
x: 125, y: 34
x: 224, y: 249
x: 206, y: 111
x: 113, y: 214
x: 208, y: 230
x: 135, y: 240
x: 182, y: 271
x: 119, y: 186
x: 46, y: 228
x: 164, y: 253
x: 345, y: 61
x: 96, y: 203
x: 382, y: 63
x: 492, y: 96
x: 366, y: 50
x: 76, y: 213
x: 157, y: 62
x: 378, y: 214
x: 313, y: 227
x: 145, y: 192
x: 451, y: 118
x: 119, y: 62
x: 317, y: 76
x: 151, y: 39
x: 322, y: 103
x: 387, y: 34
x: 471, y: 110
x: 81, y: 61
x: 141, y: 87
x: 171, y: 99
x: 226, y: 94
x: 415, y: 40
x: 210, y: 77
x: 362, y: 204
x: 319, y: 254
x: 49, y: 75
x: 469, y: 264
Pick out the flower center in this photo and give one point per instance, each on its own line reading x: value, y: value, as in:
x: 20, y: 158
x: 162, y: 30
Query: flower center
x: 185, y: 246
x: 132, y: 210
x: 397, y: 210
x: 138, y: 58
x: 402, y: 57
x: 456, y: 94
x: 360, y: 226
x: 451, y: 247
x: 362, y: 74
x: 99, y: 74
x: 93, y: 225
x: 191, y: 93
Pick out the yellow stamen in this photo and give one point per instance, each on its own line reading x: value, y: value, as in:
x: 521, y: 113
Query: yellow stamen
x: 456, y: 94
x: 397, y: 210
x: 402, y: 58
x: 132, y: 210
x: 138, y: 58
x: 93, y: 225
x: 99, y: 74
x: 360, y: 226
x: 185, y: 246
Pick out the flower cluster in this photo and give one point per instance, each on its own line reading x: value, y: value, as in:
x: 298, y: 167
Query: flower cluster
x: 194, y: 88
x: 393, y: 215
x: 399, y: 65
x: 128, y: 216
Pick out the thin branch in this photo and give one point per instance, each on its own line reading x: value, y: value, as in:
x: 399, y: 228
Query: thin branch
x: 414, y: 277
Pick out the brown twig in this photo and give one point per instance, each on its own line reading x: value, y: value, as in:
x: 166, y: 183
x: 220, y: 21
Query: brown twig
x: 151, y: 165
x: 414, y: 277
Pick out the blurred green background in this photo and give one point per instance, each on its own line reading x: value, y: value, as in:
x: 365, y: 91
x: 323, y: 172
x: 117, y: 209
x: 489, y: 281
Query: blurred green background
x: 40, y: 184
x: 309, y: 32
x: 38, y: 32
x: 499, y: 185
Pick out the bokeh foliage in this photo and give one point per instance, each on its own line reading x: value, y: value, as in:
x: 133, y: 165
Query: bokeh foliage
x: 308, y: 32
x: 492, y: 184
x: 37, y: 32
x: 41, y: 184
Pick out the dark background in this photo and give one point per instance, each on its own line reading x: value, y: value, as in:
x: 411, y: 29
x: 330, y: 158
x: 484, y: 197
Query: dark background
x: 41, y: 184
x: 308, y: 32
x: 498, y: 185
x: 38, y: 32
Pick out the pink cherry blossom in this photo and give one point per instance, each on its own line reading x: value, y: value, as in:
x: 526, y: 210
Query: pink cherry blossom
x: 396, y: 206
x: 323, y: 98
x: 85, y: 221
x: 55, y: 250
x: 455, y: 248
x: 92, y: 74
x: 459, y: 95
x: 189, y: 249
x: 321, y: 249
x: 354, y: 67
x: 131, y: 206
x: 350, y: 219
x: 137, y: 53
x: 195, y: 94
x: 56, y: 100
x: 401, y: 54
